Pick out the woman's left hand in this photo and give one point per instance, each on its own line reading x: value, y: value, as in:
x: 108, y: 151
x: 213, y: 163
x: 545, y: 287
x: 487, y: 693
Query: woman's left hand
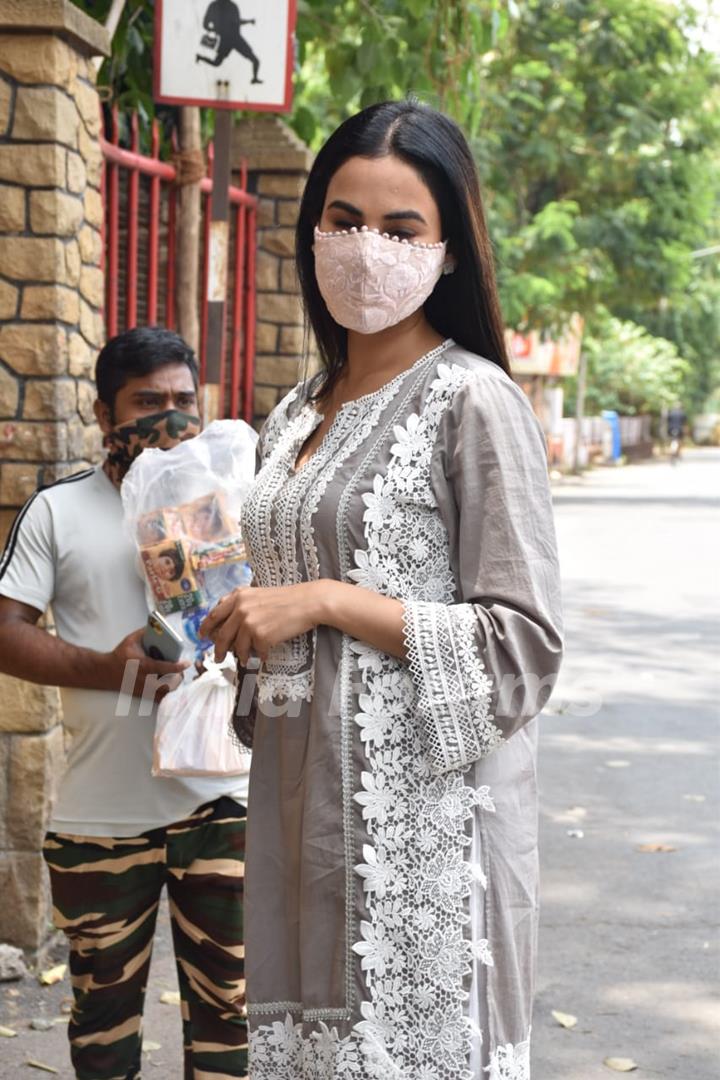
x: 252, y: 620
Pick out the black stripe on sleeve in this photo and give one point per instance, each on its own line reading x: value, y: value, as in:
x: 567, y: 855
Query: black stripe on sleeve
x: 15, y: 528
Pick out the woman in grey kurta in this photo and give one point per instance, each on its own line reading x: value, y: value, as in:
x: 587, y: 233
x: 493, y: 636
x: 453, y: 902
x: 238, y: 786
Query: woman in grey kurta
x: 391, y: 871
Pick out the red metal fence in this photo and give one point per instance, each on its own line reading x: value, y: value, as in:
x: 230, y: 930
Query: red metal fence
x: 140, y: 194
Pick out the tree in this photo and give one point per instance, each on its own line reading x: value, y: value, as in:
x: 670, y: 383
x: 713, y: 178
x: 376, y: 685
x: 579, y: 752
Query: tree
x: 353, y: 53
x: 629, y: 370
x: 598, y: 147
x: 127, y: 74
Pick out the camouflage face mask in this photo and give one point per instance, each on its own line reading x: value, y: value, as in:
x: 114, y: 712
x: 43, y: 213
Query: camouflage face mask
x: 163, y: 430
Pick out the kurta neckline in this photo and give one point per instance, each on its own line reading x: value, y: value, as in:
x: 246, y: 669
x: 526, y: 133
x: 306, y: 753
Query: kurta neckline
x: 357, y: 403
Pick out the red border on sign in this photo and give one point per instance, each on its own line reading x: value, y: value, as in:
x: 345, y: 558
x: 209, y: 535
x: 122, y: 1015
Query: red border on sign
x: 214, y: 103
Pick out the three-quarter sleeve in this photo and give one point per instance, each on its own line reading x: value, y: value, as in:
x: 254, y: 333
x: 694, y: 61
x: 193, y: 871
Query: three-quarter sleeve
x: 486, y: 664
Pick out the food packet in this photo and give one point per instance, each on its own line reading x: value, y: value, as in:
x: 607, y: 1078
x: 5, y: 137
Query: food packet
x: 182, y: 510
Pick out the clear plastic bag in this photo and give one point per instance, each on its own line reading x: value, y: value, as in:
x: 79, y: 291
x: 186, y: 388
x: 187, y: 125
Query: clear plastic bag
x: 193, y: 728
x: 182, y: 508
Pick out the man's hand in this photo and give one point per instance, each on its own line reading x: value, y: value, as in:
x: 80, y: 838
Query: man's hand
x: 27, y: 651
x: 129, y: 661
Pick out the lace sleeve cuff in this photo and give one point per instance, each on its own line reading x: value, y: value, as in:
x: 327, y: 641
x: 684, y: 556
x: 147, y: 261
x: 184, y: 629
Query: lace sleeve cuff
x: 453, y: 690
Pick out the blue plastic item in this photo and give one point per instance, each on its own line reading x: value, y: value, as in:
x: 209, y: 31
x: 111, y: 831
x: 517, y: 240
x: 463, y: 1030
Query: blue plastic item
x: 614, y: 421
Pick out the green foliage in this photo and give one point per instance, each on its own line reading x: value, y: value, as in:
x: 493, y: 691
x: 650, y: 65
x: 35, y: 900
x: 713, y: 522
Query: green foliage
x: 629, y: 370
x: 353, y: 53
x: 599, y: 150
x: 596, y: 126
x: 128, y: 73
x: 692, y: 322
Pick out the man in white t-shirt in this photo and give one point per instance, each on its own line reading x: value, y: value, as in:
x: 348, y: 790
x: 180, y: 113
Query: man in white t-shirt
x: 117, y: 833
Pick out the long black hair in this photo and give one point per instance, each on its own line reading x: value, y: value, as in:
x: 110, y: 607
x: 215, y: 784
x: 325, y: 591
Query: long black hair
x: 463, y: 305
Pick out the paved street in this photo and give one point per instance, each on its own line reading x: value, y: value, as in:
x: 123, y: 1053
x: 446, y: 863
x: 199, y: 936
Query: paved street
x: 629, y: 940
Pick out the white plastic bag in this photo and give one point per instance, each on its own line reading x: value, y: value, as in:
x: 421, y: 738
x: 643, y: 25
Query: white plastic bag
x: 182, y: 510
x: 193, y: 730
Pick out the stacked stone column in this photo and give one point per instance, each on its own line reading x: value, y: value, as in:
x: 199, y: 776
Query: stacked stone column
x: 51, y: 326
x: 278, y: 166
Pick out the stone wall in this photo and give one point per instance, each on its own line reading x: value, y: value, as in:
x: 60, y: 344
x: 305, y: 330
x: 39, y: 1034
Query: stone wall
x: 278, y: 166
x: 51, y: 325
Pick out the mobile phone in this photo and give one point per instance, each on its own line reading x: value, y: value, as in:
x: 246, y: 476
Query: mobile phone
x: 160, y: 641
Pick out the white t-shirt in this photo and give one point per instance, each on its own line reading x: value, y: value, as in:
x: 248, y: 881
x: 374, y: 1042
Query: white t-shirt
x: 68, y: 548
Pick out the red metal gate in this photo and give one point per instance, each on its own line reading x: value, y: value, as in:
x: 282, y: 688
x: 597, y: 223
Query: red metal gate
x: 140, y: 195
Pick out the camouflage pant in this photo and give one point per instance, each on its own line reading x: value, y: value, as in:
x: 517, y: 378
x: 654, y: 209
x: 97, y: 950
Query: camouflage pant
x: 106, y: 893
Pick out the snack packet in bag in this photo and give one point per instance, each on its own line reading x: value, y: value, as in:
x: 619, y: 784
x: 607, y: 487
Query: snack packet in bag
x: 192, y: 731
x: 182, y: 508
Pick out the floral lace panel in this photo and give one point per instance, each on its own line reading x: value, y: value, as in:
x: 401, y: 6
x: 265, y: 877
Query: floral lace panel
x: 281, y: 506
x: 407, y: 556
x: 370, y: 280
x: 510, y: 1062
x: 268, y: 522
x: 415, y: 945
x: 454, y: 691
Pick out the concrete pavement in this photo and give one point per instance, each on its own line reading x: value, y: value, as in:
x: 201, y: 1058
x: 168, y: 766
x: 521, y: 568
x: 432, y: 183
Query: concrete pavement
x: 629, y: 941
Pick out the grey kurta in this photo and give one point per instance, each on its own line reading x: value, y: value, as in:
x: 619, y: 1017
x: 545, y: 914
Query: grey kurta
x: 391, y: 876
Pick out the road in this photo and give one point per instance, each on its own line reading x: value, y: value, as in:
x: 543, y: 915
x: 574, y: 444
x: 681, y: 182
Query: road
x: 629, y: 939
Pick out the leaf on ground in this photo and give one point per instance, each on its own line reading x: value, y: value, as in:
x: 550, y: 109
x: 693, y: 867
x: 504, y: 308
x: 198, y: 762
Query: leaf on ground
x: 41, y: 1023
x: 7, y: 1033
x: 653, y: 849
x: 149, y: 1045
x: 565, y: 1020
x: 617, y: 763
x: 577, y: 834
x: 621, y: 1064
x: 170, y: 997
x: 53, y: 975
x: 42, y: 1066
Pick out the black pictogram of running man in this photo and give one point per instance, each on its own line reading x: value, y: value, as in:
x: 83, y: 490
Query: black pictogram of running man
x: 223, y: 18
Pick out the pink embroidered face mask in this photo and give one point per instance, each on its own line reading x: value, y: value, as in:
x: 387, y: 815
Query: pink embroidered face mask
x: 371, y: 281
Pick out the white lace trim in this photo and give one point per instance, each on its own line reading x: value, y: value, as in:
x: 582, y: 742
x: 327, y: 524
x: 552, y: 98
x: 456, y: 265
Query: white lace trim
x: 510, y: 1062
x: 268, y: 517
x: 282, y: 1052
x: 284, y: 500
x: 453, y: 689
x: 280, y: 684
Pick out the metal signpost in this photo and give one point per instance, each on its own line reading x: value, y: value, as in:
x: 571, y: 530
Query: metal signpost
x: 225, y: 55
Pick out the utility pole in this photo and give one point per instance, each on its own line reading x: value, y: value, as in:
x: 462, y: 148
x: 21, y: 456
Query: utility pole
x: 217, y: 277
x: 580, y: 407
x: 111, y: 24
x: 113, y: 17
x: 191, y: 169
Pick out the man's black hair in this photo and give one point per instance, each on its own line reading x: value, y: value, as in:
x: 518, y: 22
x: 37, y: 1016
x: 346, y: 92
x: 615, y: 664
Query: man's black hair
x: 136, y: 353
